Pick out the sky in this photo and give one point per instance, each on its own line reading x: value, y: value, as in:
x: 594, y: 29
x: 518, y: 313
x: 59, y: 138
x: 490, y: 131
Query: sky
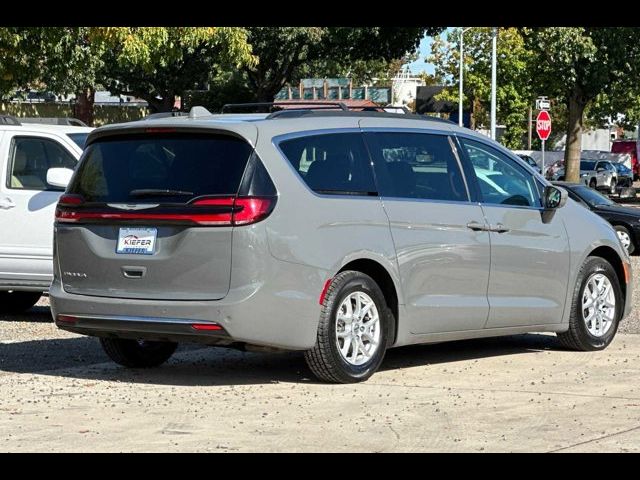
x: 423, y: 50
x: 420, y: 65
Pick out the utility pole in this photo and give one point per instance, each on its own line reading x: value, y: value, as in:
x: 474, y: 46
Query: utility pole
x: 461, y: 76
x: 530, y: 125
x: 493, y: 82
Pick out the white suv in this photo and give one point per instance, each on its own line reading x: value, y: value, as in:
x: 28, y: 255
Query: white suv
x: 36, y: 162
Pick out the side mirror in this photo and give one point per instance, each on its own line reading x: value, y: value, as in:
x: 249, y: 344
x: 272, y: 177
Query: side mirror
x: 600, y: 169
x: 59, y: 177
x: 554, y: 197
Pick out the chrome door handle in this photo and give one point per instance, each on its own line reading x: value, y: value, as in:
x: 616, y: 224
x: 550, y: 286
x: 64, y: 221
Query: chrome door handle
x: 477, y: 227
x: 6, y: 203
x: 498, y: 228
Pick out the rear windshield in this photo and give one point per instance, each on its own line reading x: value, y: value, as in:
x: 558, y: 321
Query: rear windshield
x: 79, y: 138
x: 168, y: 167
x: 587, y: 165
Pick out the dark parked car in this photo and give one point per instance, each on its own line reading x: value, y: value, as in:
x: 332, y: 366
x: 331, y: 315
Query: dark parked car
x: 625, y: 220
x: 531, y: 162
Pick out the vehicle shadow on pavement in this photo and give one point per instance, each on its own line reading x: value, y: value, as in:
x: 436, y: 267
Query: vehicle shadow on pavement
x: 197, y: 365
x: 34, y: 314
x: 462, y: 350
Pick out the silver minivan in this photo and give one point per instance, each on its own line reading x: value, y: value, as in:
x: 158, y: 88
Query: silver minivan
x: 339, y: 234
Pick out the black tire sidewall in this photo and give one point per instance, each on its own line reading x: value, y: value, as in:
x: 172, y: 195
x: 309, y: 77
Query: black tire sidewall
x: 591, y: 342
x: 365, y: 284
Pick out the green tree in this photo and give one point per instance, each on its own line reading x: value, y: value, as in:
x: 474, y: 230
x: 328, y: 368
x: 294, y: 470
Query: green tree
x: 514, y: 92
x: 159, y: 63
x: 287, y: 53
x: 586, y: 67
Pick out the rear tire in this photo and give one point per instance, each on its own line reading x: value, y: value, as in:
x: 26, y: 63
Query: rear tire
x: 134, y: 353
x: 350, y: 346
x: 18, y: 302
x: 581, y: 335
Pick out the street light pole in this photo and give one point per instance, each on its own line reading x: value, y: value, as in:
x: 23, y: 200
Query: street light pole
x: 461, y: 74
x: 493, y: 82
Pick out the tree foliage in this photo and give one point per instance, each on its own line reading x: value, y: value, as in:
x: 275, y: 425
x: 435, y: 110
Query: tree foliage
x: 286, y: 53
x: 589, y: 70
x: 514, y: 92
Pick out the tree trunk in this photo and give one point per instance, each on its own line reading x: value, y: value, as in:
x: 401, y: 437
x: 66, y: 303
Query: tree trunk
x: 83, y: 108
x: 573, y: 148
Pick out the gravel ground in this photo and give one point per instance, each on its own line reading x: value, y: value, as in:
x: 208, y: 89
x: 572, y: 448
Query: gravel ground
x: 60, y: 392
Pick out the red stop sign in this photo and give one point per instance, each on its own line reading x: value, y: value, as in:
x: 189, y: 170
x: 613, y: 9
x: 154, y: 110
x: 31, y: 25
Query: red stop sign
x: 543, y: 125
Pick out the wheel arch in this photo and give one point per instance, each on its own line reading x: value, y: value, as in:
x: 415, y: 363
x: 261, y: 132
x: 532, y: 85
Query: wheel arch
x: 385, y: 281
x: 611, y: 256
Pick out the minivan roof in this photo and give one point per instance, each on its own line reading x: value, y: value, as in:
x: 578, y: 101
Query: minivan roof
x: 278, y: 123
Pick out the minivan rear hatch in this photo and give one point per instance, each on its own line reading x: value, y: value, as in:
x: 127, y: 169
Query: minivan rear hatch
x: 148, y: 215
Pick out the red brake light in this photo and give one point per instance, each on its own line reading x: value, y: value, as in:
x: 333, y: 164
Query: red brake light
x: 66, y: 319
x: 70, y: 199
x: 253, y: 210
x: 206, y: 326
x: 230, y: 211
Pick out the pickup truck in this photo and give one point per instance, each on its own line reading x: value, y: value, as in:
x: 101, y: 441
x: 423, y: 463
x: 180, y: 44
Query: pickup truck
x: 36, y: 163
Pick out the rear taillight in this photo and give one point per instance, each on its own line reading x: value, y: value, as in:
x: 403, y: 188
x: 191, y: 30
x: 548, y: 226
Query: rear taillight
x: 211, y: 211
x: 69, y: 199
x: 252, y: 210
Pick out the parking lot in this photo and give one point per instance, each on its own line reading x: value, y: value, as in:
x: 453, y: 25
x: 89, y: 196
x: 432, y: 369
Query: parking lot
x: 59, y: 392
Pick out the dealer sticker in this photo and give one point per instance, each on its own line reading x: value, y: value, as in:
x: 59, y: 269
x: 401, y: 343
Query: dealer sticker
x: 140, y: 241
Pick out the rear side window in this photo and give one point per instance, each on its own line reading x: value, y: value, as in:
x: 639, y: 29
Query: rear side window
x: 29, y: 160
x: 168, y: 167
x: 416, y: 165
x: 332, y: 164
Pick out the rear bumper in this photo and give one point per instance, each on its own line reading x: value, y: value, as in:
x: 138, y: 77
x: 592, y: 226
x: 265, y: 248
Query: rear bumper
x: 280, y: 313
x: 145, y: 328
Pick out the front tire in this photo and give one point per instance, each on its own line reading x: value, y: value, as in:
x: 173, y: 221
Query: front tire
x: 595, y: 309
x: 353, y: 330
x: 625, y: 238
x: 137, y: 353
x: 593, y: 184
x: 613, y: 186
x: 18, y: 302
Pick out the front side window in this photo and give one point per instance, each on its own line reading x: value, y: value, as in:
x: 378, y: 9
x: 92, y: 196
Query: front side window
x: 29, y: 160
x: 500, y: 179
x: 416, y: 165
x: 331, y: 163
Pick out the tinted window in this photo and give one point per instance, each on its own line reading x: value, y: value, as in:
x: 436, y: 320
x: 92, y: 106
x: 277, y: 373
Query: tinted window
x: 416, y: 165
x: 591, y: 196
x: 586, y: 165
x: 117, y: 169
x: 79, y: 138
x: 332, y: 163
x: 500, y: 179
x: 31, y: 157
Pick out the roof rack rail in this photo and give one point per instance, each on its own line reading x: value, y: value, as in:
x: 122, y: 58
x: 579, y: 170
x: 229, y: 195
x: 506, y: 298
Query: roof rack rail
x: 74, y: 122
x: 9, y: 120
x: 151, y: 116
x: 350, y: 113
x: 281, y: 105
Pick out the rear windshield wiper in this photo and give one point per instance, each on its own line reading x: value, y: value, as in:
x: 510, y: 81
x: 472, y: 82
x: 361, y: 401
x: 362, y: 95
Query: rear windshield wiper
x: 151, y: 192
